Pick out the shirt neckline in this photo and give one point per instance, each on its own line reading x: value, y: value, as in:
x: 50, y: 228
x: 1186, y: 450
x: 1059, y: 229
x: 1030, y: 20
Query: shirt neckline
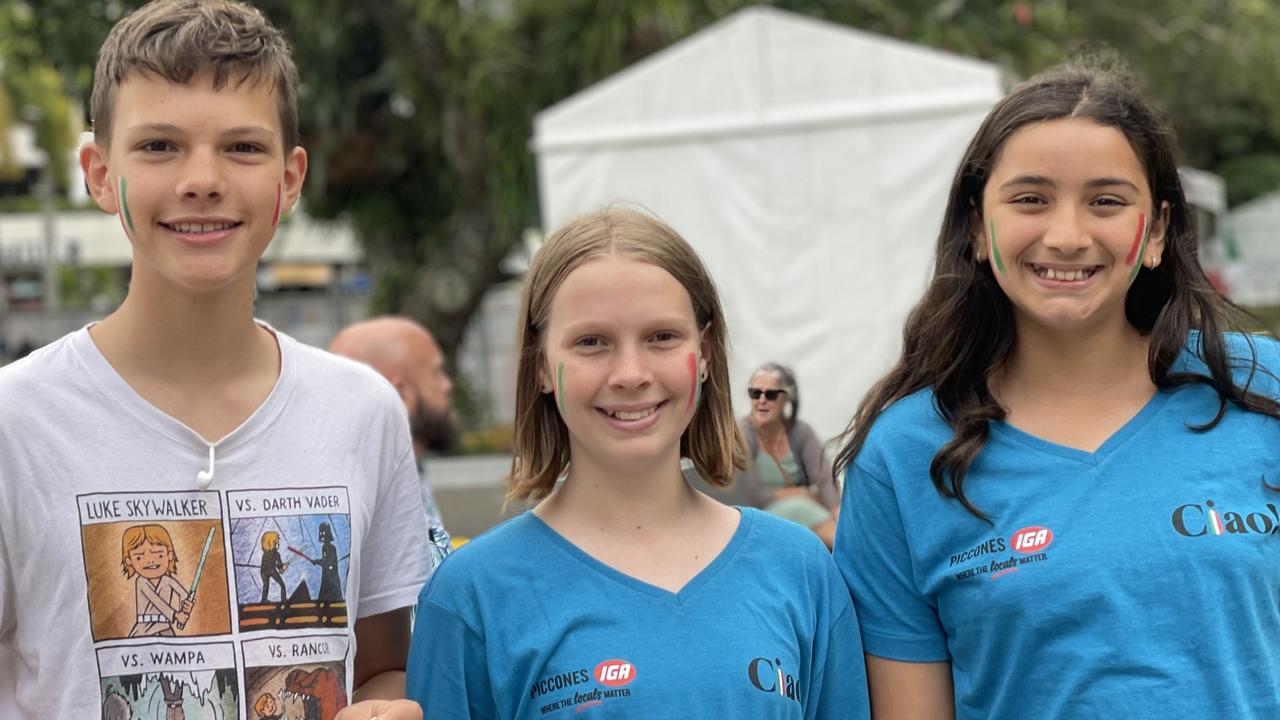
x: 105, y: 378
x: 681, y: 597
x: 1131, y: 427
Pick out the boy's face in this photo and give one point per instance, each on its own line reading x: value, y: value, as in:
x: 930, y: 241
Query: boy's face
x: 198, y: 177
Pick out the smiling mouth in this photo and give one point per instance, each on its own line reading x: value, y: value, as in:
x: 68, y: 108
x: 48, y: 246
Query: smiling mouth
x: 633, y: 415
x: 1076, y: 275
x: 199, y: 228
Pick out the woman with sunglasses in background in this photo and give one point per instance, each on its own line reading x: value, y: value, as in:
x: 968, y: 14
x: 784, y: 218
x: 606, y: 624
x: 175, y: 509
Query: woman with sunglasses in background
x: 787, y: 473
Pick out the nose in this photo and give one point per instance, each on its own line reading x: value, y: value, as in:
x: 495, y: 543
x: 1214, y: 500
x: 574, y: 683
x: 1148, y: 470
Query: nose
x: 630, y: 368
x: 202, y: 177
x: 1068, y: 231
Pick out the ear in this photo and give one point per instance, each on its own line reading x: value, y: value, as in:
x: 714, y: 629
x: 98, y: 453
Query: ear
x: 295, y: 171
x: 977, y: 234
x: 97, y: 177
x: 545, y: 385
x: 704, y: 352
x: 1155, y: 238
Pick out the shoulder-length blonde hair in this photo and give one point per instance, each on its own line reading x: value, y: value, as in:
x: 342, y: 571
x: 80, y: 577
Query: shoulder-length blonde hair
x: 712, y: 439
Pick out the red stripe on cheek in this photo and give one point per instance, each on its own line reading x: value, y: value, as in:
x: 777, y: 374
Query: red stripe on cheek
x: 693, y: 379
x: 1137, y: 240
x: 275, y: 219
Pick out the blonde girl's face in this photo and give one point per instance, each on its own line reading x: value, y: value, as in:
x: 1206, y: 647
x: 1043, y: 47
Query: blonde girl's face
x: 623, y: 356
x: 150, y: 561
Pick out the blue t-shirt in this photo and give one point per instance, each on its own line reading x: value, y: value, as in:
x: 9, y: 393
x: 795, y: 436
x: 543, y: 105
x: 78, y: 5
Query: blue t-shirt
x: 1138, y: 581
x: 521, y: 624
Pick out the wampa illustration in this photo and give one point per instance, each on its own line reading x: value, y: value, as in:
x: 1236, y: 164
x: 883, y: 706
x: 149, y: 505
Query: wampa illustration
x: 172, y: 699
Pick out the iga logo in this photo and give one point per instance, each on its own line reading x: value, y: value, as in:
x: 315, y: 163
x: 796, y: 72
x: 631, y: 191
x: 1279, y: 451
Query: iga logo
x: 615, y: 673
x: 1032, y: 539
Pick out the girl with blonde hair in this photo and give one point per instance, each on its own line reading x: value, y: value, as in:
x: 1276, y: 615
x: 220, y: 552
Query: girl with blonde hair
x: 624, y: 586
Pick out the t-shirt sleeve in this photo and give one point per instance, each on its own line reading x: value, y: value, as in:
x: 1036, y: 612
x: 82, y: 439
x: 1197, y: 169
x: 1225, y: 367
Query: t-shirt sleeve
x: 839, y: 678
x: 447, y: 673
x: 395, y: 558
x: 871, y: 551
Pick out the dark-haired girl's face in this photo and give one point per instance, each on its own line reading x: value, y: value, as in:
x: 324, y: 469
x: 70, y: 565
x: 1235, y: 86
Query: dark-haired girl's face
x: 1066, y: 222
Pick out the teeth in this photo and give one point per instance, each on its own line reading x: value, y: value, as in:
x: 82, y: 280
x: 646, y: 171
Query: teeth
x: 200, y: 227
x: 633, y: 415
x: 1063, y: 275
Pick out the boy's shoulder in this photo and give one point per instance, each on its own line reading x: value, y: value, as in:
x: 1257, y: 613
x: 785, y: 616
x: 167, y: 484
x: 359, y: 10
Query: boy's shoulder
x: 49, y: 368
x: 321, y: 370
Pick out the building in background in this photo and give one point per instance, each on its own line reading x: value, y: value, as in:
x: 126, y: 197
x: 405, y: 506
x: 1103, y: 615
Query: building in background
x: 310, y: 279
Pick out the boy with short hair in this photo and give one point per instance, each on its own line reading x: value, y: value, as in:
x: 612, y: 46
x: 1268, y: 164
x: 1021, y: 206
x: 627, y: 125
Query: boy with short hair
x: 182, y: 412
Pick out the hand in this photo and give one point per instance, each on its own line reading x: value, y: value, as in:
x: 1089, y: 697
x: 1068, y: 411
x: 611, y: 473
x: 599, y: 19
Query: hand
x: 188, y: 605
x: 182, y: 618
x: 381, y: 710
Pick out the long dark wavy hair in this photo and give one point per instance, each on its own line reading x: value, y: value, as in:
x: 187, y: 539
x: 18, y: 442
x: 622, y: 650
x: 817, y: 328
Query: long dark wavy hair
x: 963, y: 329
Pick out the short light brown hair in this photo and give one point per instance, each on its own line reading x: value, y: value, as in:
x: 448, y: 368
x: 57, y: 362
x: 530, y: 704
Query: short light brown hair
x: 176, y: 39
x: 712, y: 439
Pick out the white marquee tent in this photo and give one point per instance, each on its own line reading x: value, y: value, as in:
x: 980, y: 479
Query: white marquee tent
x: 1254, y: 278
x: 807, y: 162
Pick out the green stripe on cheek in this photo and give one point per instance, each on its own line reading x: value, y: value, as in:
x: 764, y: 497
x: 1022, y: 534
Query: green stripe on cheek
x: 1145, y: 230
x: 560, y: 386
x: 124, y: 205
x: 995, y: 249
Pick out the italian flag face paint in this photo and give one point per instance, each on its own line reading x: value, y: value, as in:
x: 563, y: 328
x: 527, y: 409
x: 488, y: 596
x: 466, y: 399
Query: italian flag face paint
x: 560, y: 386
x: 995, y: 249
x: 695, y: 391
x: 1134, y: 260
x: 275, y: 219
x: 126, y: 218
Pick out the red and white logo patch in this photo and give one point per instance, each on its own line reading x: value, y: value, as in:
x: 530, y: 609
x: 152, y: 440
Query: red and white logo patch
x: 1032, y: 538
x: 615, y: 673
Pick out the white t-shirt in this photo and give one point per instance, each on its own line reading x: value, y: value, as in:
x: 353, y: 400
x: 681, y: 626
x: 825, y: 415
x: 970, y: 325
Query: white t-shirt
x: 313, y: 519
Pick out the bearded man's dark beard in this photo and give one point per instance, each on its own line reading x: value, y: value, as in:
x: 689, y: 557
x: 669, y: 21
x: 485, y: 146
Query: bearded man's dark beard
x: 433, y: 430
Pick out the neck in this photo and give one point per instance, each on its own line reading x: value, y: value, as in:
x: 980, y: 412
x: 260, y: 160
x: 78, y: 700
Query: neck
x: 172, y: 334
x: 611, y: 497
x: 1085, y: 362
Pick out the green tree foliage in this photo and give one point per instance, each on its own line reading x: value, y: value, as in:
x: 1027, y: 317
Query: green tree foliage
x: 417, y: 113
x: 32, y: 90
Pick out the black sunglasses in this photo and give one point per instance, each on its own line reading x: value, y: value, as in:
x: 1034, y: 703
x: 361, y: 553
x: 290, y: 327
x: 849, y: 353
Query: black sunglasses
x: 770, y: 395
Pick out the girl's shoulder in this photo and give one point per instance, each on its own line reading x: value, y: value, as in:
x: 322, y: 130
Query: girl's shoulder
x: 914, y: 418
x: 790, y: 543
x: 1254, y: 360
x: 501, y: 551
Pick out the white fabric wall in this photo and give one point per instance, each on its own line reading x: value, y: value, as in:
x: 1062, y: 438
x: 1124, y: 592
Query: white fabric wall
x: 820, y: 241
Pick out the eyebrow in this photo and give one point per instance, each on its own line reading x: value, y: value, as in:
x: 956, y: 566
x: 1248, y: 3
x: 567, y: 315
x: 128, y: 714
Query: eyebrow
x: 605, y: 327
x: 1041, y: 180
x: 170, y: 128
